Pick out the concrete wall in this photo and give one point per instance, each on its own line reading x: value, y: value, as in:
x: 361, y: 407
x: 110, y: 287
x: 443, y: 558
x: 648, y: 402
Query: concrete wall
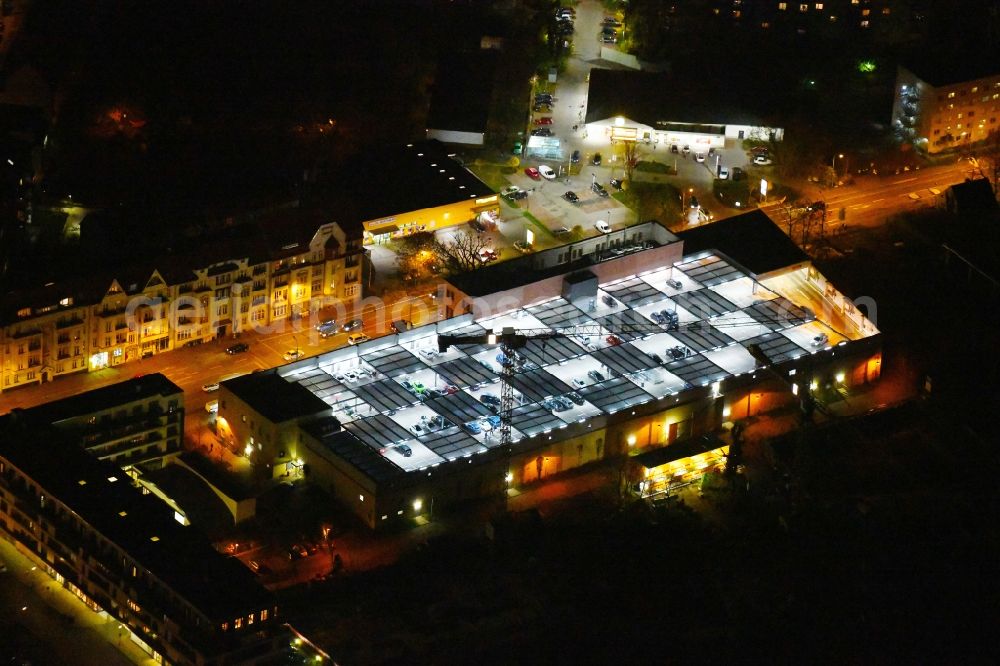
x: 614, y: 55
x: 547, y: 288
x: 456, y: 136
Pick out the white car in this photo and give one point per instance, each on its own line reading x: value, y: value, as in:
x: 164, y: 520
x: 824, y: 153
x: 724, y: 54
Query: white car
x: 578, y: 383
x: 699, y: 157
x: 546, y: 172
x: 293, y: 354
x: 603, y: 226
x: 210, y: 388
x: 723, y: 173
x: 762, y: 160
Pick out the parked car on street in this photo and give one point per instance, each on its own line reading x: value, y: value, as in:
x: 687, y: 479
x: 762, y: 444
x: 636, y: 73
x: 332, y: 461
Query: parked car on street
x: 571, y: 197
x: 293, y: 354
x: 532, y: 172
x: 546, y: 172
x: 596, y: 161
x: 603, y: 226
x: 238, y: 348
x: 599, y: 189
x: 357, y: 338
x: 543, y: 121
x: 352, y: 325
x: 541, y: 131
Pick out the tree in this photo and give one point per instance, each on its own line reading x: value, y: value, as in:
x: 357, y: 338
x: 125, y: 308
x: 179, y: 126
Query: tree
x: 416, y: 253
x: 630, y: 157
x: 461, y: 254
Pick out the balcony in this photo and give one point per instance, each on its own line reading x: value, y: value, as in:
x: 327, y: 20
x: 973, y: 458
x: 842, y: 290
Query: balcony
x: 67, y: 323
x: 26, y: 332
x: 111, y: 312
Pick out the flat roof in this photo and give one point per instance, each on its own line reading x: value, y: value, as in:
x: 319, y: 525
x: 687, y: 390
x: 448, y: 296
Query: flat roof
x: 662, y: 101
x: 761, y: 247
x: 401, y: 179
x: 140, y: 388
x: 103, y: 496
x: 462, y: 91
x: 535, y: 266
x: 390, y: 392
x: 271, y: 397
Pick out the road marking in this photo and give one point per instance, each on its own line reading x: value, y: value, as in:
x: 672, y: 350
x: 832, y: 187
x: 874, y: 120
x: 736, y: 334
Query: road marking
x: 907, y: 180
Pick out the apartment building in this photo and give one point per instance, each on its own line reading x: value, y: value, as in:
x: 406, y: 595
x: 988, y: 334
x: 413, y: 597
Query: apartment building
x: 122, y: 552
x: 942, y: 105
x: 831, y: 18
x: 136, y: 424
x: 251, y: 276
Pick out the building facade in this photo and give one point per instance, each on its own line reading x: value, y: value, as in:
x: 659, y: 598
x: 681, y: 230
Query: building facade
x: 88, y: 325
x: 651, y: 345
x: 122, y: 553
x: 938, y: 113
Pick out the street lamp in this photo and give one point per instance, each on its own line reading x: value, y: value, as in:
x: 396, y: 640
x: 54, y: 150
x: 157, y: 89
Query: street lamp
x: 833, y: 163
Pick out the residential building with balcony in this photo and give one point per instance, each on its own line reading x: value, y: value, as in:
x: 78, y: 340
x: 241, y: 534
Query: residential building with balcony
x: 282, y: 266
x: 84, y: 523
x: 941, y: 104
x: 137, y: 424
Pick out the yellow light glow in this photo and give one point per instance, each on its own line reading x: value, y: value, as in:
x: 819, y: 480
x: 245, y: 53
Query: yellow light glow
x: 795, y: 389
x: 508, y: 477
x: 248, y: 451
x: 619, y: 121
x: 726, y: 411
x: 813, y: 385
x: 631, y: 440
x: 418, y: 504
x: 840, y: 377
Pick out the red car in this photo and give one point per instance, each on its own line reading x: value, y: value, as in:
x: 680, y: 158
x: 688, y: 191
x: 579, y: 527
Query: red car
x: 543, y: 121
x: 613, y: 340
x: 532, y: 172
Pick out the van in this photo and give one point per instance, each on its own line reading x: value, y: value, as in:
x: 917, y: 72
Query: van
x: 212, y: 406
x: 401, y: 325
x: 356, y: 338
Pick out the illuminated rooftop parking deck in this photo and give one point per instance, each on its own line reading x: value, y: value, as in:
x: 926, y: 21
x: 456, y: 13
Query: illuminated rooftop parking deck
x: 417, y: 408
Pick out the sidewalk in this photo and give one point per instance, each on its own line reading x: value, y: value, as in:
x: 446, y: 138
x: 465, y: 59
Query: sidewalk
x: 73, y: 633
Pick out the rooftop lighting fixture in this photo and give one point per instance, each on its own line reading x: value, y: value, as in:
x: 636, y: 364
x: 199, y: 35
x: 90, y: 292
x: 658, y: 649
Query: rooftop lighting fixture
x: 123, y: 513
x: 154, y: 539
x: 112, y: 479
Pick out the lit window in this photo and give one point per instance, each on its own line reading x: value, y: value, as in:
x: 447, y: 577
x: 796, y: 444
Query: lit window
x: 249, y: 619
x: 959, y: 115
x: 803, y: 8
x: 864, y: 24
x: 238, y: 623
x: 951, y: 106
x: 886, y: 11
x: 361, y: 498
x: 819, y: 6
x: 833, y: 18
x: 736, y: 13
x: 782, y: 6
x: 225, y: 626
x: 951, y: 95
x: 263, y: 615
x: 975, y: 89
x: 866, y: 12
x: 134, y: 606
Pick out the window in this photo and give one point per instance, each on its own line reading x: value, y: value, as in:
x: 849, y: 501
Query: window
x: 223, y: 310
x: 866, y: 12
x: 886, y: 11
x: 782, y: 6
x: 951, y: 95
x: 803, y: 8
x: 263, y: 615
x: 975, y: 89
x: 249, y: 619
x: 864, y: 24
x: 819, y: 6
x: 134, y: 606
x: 238, y: 623
x: 225, y: 626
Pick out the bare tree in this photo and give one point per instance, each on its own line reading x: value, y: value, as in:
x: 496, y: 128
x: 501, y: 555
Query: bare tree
x: 630, y: 157
x: 461, y: 253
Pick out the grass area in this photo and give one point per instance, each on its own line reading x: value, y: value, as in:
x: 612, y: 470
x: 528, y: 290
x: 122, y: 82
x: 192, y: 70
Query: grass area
x: 651, y: 201
x: 494, y: 175
x: 729, y: 192
x: 653, y: 167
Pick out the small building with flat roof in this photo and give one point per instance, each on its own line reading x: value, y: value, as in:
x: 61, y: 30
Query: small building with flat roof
x: 402, y: 190
x: 653, y: 107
